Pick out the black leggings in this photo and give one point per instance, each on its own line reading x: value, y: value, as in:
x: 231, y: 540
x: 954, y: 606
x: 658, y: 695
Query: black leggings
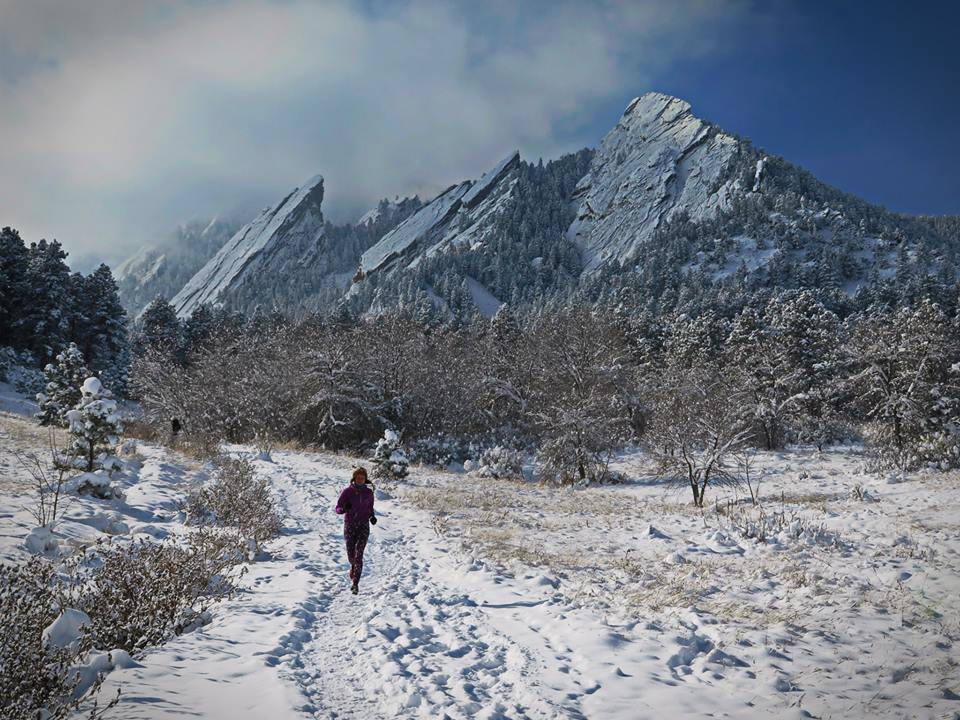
x: 356, y: 538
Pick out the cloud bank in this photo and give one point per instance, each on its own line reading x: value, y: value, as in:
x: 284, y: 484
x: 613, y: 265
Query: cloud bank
x: 120, y: 119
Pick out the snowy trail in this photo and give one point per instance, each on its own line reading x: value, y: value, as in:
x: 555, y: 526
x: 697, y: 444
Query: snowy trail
x: 408, y: 645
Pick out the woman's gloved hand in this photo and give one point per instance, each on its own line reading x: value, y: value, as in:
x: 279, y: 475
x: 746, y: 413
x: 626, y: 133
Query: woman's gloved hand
x: 346, y: 505
x: 373, y: 519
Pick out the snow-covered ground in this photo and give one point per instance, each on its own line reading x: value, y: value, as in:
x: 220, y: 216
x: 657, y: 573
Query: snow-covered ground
x: 497, y: 599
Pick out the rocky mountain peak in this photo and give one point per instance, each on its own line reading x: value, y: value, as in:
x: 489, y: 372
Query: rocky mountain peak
x: 658, y: 161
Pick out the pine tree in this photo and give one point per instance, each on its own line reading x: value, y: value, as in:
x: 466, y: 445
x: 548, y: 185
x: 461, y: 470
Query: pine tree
x: 389, y: 460
x: 99, y: 327
x: 13, y: 284
x: 93, y: 423
x: 62, y: 389
x: 158, y: 328
x: 45, y: 318
x: 197, y: 328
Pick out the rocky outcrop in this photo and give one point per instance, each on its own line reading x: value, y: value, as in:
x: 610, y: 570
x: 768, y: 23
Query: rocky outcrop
x: 284, y: 235
x: 462, y: 214
x: 659, y: 160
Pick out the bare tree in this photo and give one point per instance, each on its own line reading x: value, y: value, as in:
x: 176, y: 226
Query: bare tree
x: 48, y: 481
x: 698, y: 422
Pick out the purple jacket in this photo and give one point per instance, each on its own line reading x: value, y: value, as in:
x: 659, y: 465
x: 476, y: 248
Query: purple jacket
x: 356, y: 505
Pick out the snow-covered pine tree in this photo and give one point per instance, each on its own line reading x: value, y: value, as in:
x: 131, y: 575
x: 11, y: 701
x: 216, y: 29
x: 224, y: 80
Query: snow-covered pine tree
x: 94, y: 423
x: 808, y: 364
x: 389, y: 460
x: 43, y: 319
x: 62, y: 389
x: 909, y: 364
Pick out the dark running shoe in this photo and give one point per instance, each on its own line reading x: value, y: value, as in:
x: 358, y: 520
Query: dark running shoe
x: 354, y: 588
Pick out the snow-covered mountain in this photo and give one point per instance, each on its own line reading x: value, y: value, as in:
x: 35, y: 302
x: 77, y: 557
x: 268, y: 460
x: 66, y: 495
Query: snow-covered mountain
x: 163, y: 270
x: 670, y: 208
x: 462, y: 215
x: 659, y: 161
x: 282, y: 236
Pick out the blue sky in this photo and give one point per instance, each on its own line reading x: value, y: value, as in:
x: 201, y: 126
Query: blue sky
x: 864, y: 94
x: 123, y: 118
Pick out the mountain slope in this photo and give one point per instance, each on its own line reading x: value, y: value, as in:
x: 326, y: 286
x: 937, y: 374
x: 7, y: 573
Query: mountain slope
x: 460, y: 215
x: 671, y: 210
x: 163, y: 270
x: 282, y: 235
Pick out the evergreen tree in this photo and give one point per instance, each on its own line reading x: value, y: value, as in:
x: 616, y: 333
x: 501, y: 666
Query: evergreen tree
x: 158, y: 328
x: 13, y: 285
x: 99, y: 327
x: 197, y: 328
x: 389, y: 460
x: 45, y: 318
x: 94, y: 424
x: 62, y: 390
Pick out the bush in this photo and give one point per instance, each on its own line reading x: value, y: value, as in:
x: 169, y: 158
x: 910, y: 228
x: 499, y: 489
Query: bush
x: 38, y: 678
x: 237, y: 498
x: 441, y: 450
x: 697, y: 428
x: 500, y: 462
x: 140, y: 594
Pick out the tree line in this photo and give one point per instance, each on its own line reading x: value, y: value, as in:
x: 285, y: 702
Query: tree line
x: 571, y: 381
x: 44, y: 307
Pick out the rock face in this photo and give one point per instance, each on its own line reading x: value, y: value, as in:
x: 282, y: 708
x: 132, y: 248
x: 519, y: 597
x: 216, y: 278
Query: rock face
x: 461, y: 215
x: 284, y: 235
x: 163, y: 270
x: 659, y: 160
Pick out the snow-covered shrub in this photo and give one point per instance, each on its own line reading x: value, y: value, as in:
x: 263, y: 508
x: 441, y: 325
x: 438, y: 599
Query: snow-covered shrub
x: 441, y: 450
x: 40, y: 648
x: 563, y: 461
x: 49, y: 479
x: 500, y: 462
x: 140, y: 594
x: 93, y: 423
x: 236, y: 498
x: 26, y: 380
x: 909, y: 387
x: 863, y: 494
x: 62, y: 390
x: 95, y: 484
x: 389, y: 460
x: 580, y: 399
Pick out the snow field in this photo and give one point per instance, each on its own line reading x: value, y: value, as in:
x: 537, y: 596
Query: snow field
x: 497, y: 599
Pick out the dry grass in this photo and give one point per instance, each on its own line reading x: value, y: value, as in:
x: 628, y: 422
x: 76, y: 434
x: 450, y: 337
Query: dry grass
x: 21, y: 436
x: 20, y: 433
x: 140, y: 430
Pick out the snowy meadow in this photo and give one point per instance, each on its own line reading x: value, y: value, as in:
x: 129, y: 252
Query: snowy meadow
x: 833, y: 595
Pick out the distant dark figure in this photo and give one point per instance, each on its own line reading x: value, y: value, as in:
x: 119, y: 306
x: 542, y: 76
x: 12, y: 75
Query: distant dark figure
x: 356, y: 506
x: 174, y: 431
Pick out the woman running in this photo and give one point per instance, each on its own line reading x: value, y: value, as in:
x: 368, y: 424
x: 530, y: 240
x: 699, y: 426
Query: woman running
x: 356, y: 506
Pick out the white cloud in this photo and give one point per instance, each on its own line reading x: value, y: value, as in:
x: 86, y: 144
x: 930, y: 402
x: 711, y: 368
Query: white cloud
x: 120, y: 119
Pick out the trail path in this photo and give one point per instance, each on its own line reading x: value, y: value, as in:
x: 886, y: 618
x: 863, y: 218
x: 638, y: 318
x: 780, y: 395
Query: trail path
x: 429, y: 635
x: 409, y: 645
